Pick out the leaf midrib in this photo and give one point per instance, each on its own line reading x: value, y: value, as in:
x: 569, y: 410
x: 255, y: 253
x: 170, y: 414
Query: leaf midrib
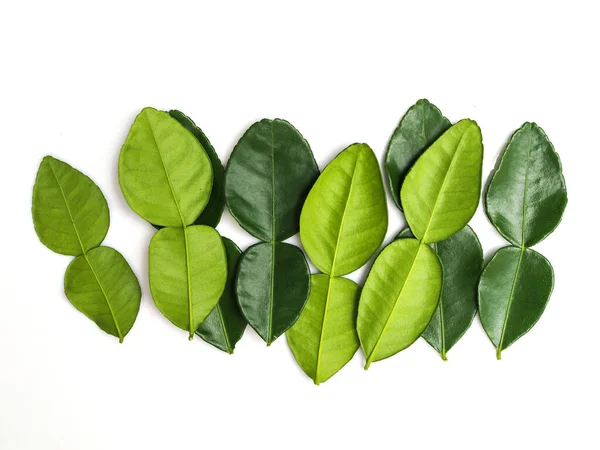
x: 524, y: 218
x: 322, y: 330
x: 510, y: 300
x: 272, y: 287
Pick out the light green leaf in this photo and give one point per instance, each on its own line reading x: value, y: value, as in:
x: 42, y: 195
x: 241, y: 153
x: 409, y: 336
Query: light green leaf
x: 102, y: 286
x: 188, y: 272
x: 324, y: 338
x: 164, y: 173
x: 441, y: 192
x: 70, y: 214
x: 344, y: 218
x: 399, y: 298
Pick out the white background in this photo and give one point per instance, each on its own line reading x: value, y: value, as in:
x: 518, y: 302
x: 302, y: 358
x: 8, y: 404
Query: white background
x: 72, y: 78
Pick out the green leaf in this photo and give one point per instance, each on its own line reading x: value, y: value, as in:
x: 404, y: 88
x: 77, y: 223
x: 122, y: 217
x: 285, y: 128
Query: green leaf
x: 164, y: 173
x: 399, y: 298
x: 272, y: 287
x: 188, y: 272
x: 70, y: 214
x: 213, y: 211
x: 324, y: 338
x: 102, y: 286
x: 269, y: 173
x: 344, y: 218
x: 527, y: 196
x: 441, y: 192
x: 225, y: 325
x: 514, y: 288
x: 422, y: 124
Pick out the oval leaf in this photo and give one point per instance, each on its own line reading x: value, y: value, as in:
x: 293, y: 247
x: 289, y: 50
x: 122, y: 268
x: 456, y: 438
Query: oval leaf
x: 324, y: 338
x: 514, y: 289
x: 441, y: 192
x: 269, y: 173
x: 272, y: 287
x: 70, y: 214
x: 344, y: 218
x: 399, y: 298
x: 211, y: 215
x: 422, y: 124
x: 225, y: 325
x: 102, y: 286
x: 188, y: 272
x: 527, y: 196
x: 164, y: 173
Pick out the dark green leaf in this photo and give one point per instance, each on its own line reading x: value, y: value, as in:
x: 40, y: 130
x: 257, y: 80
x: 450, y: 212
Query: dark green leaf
x: 272, y: 286
x: 225, y: 325
x: 268, y: 176
x: 527, y: 196
x: 514, y: 288
x: 422, y: 124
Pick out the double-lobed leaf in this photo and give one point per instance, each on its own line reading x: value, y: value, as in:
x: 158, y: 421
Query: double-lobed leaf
x: 187, y: 272
x: 324, y: 338
x: 513, y: 292
x: 441, y: 192
x: 344, y: 218
x: 422, y: 124
x: 225, y: 325
x: 399, y: 297
x: 164, y: 173
x: 268, y: 176
x: 527, y: 196
x: 272, y: 287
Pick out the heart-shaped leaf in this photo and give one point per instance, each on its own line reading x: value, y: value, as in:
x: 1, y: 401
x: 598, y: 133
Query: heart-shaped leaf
x: 514, y: 288
x: 527, y: 196
x: 441, y: 192
x: 324, y: 338
x: 344, y: 218
x: 102, y: 286
x: 269, y: 173
x: 164, y: 173
x: 70, y: 214
x: 188, y: 272
x: 272, y: 287
x: 399, y: 298
x: 225, y: 325
x: 422, y: 124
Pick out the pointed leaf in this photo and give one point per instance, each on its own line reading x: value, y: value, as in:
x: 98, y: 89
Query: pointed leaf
x: 514, y: 289
x: 272, y: 287
x: 269, y: 173
x: 225, y: 325
x: 441, y: 192
x: 527, y: 196
x: 324, y: 338
x: 399, y: 298
x: 188, y: 272
x: 422, y: 124
x: 70, y: 214
x: 164, y: 173
x: 103, y: 287
x: 344, y: 218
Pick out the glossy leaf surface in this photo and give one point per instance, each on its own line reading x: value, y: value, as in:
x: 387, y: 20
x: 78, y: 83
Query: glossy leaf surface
x: 164, y: 173
x: 188, y: 272
x: 272, y: 286
x: 324, y: 338
x: 441, y: 192
x: 70, y: 214
x: 422, y: 124
x: 527, y: 196
x: 268, y: 176
x: 344, y: 218
x: 103, y: 287
x: 211, y: 215
x: 398, y: 299
x: 514, y: 288
x: 225, y: 325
